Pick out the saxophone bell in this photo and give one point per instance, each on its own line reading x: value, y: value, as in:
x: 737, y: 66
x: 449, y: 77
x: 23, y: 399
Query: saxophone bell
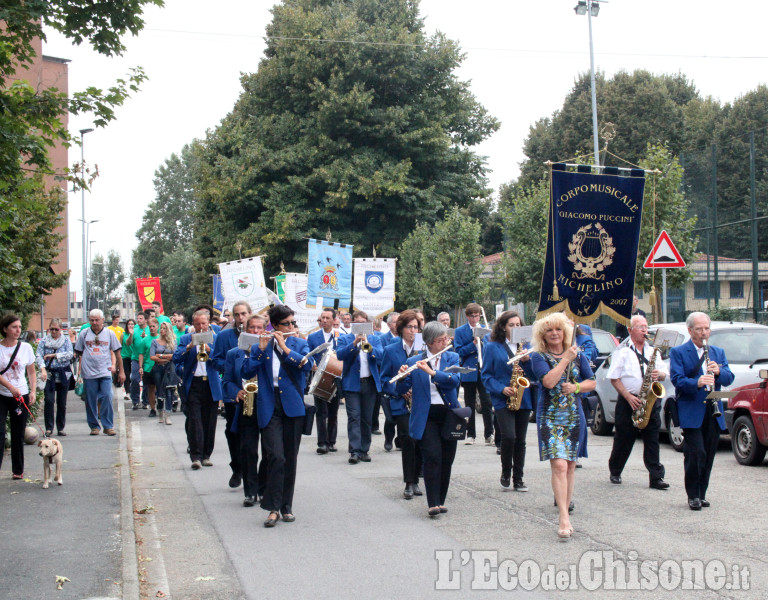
x: 251, y: 388
x: 518, y: 382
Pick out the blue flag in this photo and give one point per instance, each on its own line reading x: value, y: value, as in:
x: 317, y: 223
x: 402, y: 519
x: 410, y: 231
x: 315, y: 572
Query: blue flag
x: 218, y: 294
x: 329, y: 273
x: 592, y: 239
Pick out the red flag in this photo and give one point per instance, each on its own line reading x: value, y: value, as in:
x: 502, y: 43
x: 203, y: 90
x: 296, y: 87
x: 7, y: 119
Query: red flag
x: 148, y: 291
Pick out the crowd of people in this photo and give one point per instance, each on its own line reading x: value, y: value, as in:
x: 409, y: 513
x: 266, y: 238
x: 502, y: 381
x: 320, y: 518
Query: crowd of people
x: 412, y: 373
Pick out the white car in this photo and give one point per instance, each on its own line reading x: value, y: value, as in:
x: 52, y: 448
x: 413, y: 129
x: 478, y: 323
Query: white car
x: 744, y: 343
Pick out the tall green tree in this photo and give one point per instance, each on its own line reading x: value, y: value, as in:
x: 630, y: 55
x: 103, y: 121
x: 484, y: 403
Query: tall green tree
x: 105, y: 280
x: 364, y: 135
x: 31, y: 123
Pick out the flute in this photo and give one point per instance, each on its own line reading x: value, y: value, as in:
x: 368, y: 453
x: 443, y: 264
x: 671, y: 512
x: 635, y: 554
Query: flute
x: 415, y: 366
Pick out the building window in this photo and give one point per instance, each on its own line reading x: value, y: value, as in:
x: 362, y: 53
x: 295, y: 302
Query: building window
x: 737, y: 289
x: 700, y: 289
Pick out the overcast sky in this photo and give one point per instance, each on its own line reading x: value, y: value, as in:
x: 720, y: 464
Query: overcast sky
x: 522, y: 59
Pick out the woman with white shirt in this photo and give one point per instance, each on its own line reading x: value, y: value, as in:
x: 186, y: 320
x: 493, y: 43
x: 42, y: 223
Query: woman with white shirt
x: 16, y: 359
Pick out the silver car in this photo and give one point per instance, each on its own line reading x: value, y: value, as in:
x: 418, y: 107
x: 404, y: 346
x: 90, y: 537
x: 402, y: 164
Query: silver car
x: 744, y: 344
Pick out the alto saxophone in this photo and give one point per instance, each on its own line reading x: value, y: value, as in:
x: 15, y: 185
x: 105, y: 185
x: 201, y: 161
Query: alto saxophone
x: 251, y: 388
x: 518, y: 383
x: 649, y: 392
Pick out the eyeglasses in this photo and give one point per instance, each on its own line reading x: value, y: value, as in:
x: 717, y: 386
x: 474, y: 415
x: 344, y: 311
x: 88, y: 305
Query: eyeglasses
x: 411, y: 327
x: 287, y: 323
x: 54, y: 329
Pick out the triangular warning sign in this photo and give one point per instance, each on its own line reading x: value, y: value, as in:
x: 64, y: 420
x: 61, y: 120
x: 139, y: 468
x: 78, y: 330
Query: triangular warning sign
x: 664, y: 254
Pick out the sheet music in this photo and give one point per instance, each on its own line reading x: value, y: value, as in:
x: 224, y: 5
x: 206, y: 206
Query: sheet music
x: 520, y: 335
x: 246, y: 340
x: 320, y: 348
x: 480, y: 332
x: 203, y: 338
x: 362, y: 328
x: 665, y: 336
x: 458, y: 369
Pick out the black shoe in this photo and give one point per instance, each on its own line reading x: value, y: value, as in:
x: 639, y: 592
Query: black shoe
x: 145, y: 406
x: 416, y: 490
x: 519, y: 486
x: 660, y: 484
x: 331, y: 447
x: 443, y: 510
x: 235, y: 480
x: 705, y: 503
x: 354, y: 459
x: 135, y: 407
x: 571, y: 506
x: 387, y: 445
x: 694, y: 503
x: 289, y: 518
x: 408, y: 491
x: 376, y: 432
x: 579, y: 465
x: 616, y: 479
x: 498, y: 451
x: 152, y: 413
x: 62, y: 433
x: 365, y: 457
x: 322, y: 449
x: 505, y: 479
x: 249, y: 501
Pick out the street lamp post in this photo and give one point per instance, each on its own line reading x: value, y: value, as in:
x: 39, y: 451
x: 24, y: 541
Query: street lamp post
x: 90, y: 256
x: 82, y: 195
x: 102, y: 278
x: 591, y: 8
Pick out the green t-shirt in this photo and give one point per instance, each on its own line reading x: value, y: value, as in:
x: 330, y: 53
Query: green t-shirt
x: 144, y: 346
x: 138, y: 340
x: 179, y: 332
x: 162, y: 319
x: 126, y: 351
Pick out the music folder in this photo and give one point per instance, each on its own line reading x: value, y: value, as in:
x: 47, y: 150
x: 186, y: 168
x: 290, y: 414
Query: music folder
x: 203, y: 338
x: 247, y: 340
x: 458, y: 369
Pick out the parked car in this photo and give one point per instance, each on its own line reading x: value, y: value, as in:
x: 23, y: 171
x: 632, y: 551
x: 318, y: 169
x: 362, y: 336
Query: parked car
x: 744, y: 344
x: 747, y: 420
x: 606, y: 343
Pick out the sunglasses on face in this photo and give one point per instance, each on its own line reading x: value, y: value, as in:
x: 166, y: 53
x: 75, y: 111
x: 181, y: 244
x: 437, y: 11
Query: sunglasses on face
x: 54, y: 329
x: 287, y: 323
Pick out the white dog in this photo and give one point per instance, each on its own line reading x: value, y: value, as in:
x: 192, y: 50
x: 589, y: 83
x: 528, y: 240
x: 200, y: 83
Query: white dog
x: 52, y: 452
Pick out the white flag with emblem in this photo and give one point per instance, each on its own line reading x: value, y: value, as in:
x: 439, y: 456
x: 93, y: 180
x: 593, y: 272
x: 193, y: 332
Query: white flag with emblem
x: 244, y: 280
x: 374, y: 288
x: 295, y: 288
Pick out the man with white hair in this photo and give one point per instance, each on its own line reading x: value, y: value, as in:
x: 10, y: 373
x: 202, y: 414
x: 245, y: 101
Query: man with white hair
x: 99, y: 350
x: 629, y: 366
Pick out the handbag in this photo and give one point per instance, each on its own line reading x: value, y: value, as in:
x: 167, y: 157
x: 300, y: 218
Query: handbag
x: 80, y: 388
x: 170, y: 377
x: 454, y: 427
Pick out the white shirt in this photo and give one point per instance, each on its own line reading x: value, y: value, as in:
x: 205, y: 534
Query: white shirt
x: 408, y: 349
x: 625, y: 365
x: 275, y: 364
x: 365, y: 370
x: 434, y: 395
x: 17, y: 374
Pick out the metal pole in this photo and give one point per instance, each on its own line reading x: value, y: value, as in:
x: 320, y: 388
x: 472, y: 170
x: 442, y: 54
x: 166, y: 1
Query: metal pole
x: 664, y: 295
x: 594, y: 93
x: 714, y: 224
x: 82, y: 197
x: 755, y: 285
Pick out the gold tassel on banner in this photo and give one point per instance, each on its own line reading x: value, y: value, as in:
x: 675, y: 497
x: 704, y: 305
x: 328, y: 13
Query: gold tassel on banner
x: 555, y: 293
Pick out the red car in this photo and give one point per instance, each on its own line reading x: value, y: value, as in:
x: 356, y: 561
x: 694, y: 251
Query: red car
x: 747, y: 419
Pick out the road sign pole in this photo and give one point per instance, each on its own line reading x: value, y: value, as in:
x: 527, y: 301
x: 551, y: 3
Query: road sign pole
x: 664, y: 295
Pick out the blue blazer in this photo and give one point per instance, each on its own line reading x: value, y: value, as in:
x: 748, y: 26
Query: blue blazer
x: 394, y: 358
x: 586, y: 343
x: 187, y: 361
x: 418, y: 382
x: 291, y: 379
x: 465, y: 347
x: 315, y: 339
x: 232, y: 383
x: 691, y: 399
x: 225, y: 341
x: 386, y: 338
x: 349, y: 354
x: 496, y: 375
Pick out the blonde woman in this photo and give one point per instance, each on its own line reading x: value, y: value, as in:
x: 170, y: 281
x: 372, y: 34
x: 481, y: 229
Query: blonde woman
x: 564, y: 373
x: 161, y: 353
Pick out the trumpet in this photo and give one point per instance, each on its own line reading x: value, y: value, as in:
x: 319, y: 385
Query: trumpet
x: 414, y: 366
x: 365, y: 345
x: 202, y: 354
x: 251, y: 388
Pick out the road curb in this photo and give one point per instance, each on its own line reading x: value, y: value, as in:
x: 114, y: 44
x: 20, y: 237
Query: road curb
x: 130, y: 561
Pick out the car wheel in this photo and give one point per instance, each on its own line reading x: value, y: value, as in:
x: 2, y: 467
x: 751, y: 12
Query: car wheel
x: 675, y: 434
x: 746, y: 447
x: 599, y: 424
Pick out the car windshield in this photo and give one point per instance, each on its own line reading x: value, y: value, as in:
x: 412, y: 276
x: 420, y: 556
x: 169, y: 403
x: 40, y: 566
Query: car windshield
x: 742, y: 346
x: 604, y: 341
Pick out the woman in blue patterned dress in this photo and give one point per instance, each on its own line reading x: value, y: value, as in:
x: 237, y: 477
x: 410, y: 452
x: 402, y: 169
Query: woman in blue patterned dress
x: 564, y: 373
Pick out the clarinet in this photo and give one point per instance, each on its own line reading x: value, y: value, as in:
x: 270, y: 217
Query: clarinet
x: 708, y: 388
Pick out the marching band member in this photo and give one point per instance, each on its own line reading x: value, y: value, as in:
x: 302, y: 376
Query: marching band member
x: 202, y: 388
x: 395, y: 356
x: 226, y: 341
x: 497, y: 378
x: 361, y: 382
x: 327, y: 410
x: 434, y: 393
x: 276, y: 361
x: 465, y: 344
x: 346, y: 322
x: 247, y: 427
x: 387, y: 337
x: 563, y: 373
x: 627, y: 371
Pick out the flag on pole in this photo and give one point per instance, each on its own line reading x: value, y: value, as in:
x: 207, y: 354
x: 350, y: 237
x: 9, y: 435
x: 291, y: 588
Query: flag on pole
x: 296, y: 299
x: 148, y: 291
x: 244, y: 280
x: 329, y: 273
x: 374, y: 286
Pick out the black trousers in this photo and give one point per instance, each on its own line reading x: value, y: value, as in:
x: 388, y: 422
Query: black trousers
x: 55, y: 395
x: 127, y: 371
x: 411, y: 456
x: 389, y: 420
x: 438, y: 455
x: 513, y: 427
x: 376, y: 412
x: 624, y: 437
x: 18, y: 417
x: 327, y: 418
x: 473, y: 389
x: 699, y: 449
x: 201, y: 420
x: 281, y: 438
x: 233, y: 437
x: 254, y: 475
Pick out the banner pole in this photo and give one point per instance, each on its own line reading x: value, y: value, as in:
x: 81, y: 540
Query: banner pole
x: 664, y: 294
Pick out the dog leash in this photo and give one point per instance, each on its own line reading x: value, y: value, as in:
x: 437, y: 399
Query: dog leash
x: 34, y: 419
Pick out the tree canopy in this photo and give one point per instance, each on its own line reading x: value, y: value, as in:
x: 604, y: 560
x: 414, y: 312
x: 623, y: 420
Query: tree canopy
x: 354, y: 122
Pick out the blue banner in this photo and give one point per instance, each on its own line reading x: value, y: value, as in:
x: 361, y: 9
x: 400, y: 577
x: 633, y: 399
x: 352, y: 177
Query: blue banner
x: 218, y: 295
x: 329, y: 274
x: 592, y: 238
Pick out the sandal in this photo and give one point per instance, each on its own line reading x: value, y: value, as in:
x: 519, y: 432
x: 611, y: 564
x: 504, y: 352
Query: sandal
x: 272, y: 520
x: 17, y: 476
x: 434, y: 511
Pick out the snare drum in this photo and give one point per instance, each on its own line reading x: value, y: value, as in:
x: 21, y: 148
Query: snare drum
x: 324, y: 380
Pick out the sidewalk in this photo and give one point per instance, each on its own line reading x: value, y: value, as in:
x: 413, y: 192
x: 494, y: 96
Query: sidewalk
x: 77, y: 530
